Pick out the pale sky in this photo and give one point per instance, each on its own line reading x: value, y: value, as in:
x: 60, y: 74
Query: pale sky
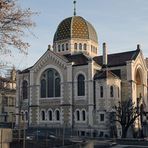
x: 122, y: 24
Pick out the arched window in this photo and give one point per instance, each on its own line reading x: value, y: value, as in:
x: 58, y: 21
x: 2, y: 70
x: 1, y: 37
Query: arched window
x: 43, y: 115
x: 66, y: 46
x: 59, y: 48
x: 81, y: 85
x: 111, y: 91
x: 57, y: 115
x: 83, y: 115
x: 101, y: 91
x: 62, y: 47
x: 80, y: 46
x: 50, y: 115
x: 25, y: 89
x: 50, y: 83
x: 75, y: 46
x: 85, y: 46
x: 78, y: 115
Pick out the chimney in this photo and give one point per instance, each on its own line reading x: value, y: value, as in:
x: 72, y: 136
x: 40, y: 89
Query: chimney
x: 104, y: 54
x: 138, y: 47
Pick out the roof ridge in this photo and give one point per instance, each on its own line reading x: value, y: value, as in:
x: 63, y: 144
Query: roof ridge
x: 119, y: 53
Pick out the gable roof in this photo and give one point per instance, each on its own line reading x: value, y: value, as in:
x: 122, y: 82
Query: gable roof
x: 104, y: 74
x: 78, y: 59
x: 118, y: 59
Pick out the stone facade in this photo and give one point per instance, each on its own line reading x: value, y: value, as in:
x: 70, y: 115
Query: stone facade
x: 83, y: 106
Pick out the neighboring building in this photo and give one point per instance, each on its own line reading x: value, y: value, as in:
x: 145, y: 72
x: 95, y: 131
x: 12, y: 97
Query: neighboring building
x: 71, y: 87
x: 7, y: 99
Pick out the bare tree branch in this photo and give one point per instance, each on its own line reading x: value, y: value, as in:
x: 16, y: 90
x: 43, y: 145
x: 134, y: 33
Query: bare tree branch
x: 14, y: 22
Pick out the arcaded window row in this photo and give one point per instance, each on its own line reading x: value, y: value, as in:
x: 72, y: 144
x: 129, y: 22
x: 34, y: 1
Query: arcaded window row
x: 50, y: 115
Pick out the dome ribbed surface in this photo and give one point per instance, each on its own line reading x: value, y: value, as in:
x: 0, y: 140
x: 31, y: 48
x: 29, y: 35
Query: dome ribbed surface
x: 75, y: 27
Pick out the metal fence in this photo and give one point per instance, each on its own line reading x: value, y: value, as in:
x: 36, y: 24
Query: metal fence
x: 45, y: 144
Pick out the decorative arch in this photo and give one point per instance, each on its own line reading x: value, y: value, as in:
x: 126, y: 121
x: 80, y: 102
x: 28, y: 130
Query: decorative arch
x: 57, y: 115
x: 139, y: 72
x: 83, y: 115
x: 50, y: 83
x: 77, y: 85
x: 43, y: 115
x: 48, y: 67
x: 77, y: 115
x: 81, y: 85
x: 139, y: 83
x: 50, y: 114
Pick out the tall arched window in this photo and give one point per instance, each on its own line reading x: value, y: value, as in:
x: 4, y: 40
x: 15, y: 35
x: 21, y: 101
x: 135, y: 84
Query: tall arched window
x: 85, y: 46
x: 81, y: 85
x: 75, y: 46
x: 101, y: 91
x: 50, y: 83
x: 111, y: 91
x: 78, y: 115
x: 50, y: 115
x: 25, y: 89
x: 57, y: 115
x: 43, y: 115
x: 83, y: 115
x: 80, y: 46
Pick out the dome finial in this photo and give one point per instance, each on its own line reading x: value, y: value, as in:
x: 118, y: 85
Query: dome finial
x: 74, y: 2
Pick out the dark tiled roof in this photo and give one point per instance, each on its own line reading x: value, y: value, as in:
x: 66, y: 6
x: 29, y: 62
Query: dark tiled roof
x: 117, y: 72
x: 118, y: 59
x: 78, y: 59
x: 104, y: 74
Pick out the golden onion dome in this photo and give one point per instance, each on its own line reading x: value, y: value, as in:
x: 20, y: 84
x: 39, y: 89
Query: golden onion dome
x: 75, y: 27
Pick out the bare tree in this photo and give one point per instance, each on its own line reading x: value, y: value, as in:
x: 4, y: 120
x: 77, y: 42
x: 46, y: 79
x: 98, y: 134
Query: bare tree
x: 14, y: 22
x: 126, y: 115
